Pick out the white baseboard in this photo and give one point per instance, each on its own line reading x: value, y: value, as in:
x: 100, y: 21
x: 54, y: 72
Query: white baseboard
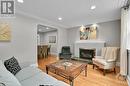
x: 117, y: 63
x: 54, y: 53
x: 128, y: 80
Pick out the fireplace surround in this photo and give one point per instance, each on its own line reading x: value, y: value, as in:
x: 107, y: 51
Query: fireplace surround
x: 88, y: 44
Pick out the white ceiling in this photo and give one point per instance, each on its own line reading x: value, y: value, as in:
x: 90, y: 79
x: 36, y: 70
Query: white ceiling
x: 73, y: 12
x: 42, y: 28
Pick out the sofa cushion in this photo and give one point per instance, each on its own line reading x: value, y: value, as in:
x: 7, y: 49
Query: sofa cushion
x: 27, y: 73
x: 12, y: 65
x: 42, y: 79
x: 7, y: 78
x: 36, y: 77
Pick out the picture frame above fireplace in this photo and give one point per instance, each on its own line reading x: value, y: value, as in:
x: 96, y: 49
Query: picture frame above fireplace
x: 88, y: 33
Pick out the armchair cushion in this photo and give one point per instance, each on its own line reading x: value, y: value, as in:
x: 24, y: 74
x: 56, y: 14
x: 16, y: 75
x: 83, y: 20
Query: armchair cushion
x: 65, y: 52
x: 100, y: 61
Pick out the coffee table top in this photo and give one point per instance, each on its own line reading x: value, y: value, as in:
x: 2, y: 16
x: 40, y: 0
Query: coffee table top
x: 69, y: 67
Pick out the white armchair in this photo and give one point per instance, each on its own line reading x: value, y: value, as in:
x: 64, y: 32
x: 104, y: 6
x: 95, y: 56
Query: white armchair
x: 107, y: 60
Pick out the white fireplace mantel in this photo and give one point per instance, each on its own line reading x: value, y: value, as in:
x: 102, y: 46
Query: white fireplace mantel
x: 88, y: 44
x: 90, y: 41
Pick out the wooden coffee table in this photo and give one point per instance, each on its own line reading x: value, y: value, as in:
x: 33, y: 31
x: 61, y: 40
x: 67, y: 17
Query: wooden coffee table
x: 68, y: 69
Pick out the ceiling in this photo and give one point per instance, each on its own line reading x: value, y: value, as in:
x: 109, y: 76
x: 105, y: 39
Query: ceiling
x: 73, y: 12
x: 42, y: 28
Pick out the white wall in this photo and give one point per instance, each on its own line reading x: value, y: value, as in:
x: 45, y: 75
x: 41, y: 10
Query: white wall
x: 23, y: 44
x: 44, y: 39
x: 23, y: 40
x: 110, y: 32
x: 62, y: 39
x: 107, y: 31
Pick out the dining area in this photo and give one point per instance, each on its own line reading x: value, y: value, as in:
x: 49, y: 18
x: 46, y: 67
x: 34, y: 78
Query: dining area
x: 43, y: 51
x: 46, y: 41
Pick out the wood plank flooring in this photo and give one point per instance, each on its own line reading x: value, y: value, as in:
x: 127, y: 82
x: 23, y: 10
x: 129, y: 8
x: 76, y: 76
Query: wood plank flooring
x: 94, y: 78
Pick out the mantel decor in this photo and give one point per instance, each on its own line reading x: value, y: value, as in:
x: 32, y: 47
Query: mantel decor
x: 88, y: 33
x: 5, y: 33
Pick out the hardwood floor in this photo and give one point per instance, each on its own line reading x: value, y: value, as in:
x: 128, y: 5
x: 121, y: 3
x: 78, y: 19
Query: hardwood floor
x: 94, y: 78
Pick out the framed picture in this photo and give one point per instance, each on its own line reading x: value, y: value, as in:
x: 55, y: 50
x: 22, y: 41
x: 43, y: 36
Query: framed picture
x: 52, y: 39
x: 88, y: 33
x: 5, y: 33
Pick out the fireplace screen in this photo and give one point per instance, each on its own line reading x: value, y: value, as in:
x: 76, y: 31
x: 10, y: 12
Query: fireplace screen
x: 87, y: 54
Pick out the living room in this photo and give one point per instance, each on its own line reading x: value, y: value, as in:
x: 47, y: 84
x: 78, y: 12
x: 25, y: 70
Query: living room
x: 71, y: 19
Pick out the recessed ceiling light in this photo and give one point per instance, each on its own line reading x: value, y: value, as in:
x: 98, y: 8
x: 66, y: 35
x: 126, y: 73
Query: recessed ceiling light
x: 20, y: 1
x: 93, y: 7
x: 60, y: 18
x: 47, y: 28
x: 39, y: 30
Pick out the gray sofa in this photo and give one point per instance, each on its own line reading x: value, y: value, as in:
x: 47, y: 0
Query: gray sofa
x: 32, y: 76
x: 27, y: 76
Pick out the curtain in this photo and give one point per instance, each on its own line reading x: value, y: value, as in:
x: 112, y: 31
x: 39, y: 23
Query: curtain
x: 128, y: 31
x: 123, y: 50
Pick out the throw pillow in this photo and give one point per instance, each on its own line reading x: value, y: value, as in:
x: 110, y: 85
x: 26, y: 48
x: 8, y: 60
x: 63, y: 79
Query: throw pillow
x: 7, y: 78
x: 12, y: 65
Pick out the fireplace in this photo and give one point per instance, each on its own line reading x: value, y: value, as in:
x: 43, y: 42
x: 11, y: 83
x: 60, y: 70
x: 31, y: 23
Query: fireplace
x: 87, y: 54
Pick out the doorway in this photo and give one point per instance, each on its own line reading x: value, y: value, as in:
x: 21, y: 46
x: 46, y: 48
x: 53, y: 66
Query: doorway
x: 46, y: 41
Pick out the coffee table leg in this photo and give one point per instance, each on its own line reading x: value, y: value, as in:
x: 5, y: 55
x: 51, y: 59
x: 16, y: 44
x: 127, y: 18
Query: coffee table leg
x: 46, y: 69
x: 86, y: 70
x: 71, y: 82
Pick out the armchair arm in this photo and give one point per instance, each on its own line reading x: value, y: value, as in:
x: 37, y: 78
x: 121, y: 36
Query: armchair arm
x: 99, y: 57
x: 111, y: 60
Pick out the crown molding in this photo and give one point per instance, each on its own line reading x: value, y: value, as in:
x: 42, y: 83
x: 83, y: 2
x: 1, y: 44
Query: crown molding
x: 97, y: 22
x: 40, y: 19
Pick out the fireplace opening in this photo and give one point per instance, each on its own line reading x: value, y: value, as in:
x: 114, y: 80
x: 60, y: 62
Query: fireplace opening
x: 87, y: 54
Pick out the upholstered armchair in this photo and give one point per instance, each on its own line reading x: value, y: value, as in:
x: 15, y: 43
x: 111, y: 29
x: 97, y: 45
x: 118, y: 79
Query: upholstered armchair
x: 107, y: 60
x: 65, y: 53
